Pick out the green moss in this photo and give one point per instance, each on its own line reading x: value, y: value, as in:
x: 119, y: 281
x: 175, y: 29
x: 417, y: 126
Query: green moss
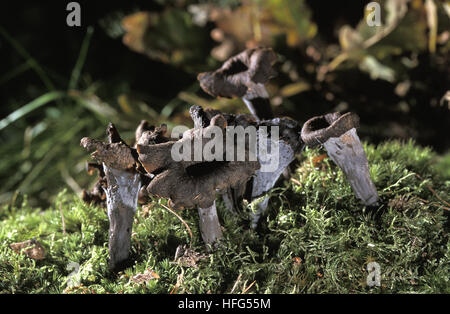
x: 315, y: 238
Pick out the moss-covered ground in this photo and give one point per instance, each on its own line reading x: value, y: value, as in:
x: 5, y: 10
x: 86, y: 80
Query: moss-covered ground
x: 315, y: 238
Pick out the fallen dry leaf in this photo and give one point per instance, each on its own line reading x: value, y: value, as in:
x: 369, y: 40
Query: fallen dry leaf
x: 187, y: 257
x: 145, y: 277
x: 318, y: 159
x: 32, y: 248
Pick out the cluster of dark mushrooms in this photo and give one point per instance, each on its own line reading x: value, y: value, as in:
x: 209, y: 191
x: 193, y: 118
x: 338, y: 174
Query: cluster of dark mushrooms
x: 128, y: 175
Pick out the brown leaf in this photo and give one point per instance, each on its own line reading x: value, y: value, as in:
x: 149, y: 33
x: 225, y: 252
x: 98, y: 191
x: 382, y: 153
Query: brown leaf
x: 187, y: 257
x: 145, y: 277
x: 135, y: 26
x: 32, y: 248
x: 318, y: 159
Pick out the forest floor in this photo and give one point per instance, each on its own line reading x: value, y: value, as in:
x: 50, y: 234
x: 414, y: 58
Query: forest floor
x: 315, y: 237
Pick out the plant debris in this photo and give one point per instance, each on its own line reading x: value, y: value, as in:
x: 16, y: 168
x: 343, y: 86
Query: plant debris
x: 187, y: 257
x: 32, y: 248
x: 144, y: 278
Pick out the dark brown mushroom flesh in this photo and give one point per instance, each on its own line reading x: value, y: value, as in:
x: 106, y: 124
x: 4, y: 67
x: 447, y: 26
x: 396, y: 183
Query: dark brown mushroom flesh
x: 275, y: 148
x: 96, y: 195
x: 244, y: 76
x: 193, y: 183
x: 337, y: 133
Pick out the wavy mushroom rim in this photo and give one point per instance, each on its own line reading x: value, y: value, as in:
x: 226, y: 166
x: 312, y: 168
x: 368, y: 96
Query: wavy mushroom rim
x: 238, y: 73
x: 314, y: 134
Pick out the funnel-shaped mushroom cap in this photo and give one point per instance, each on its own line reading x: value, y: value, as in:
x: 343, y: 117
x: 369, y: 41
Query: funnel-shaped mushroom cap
x: 239, y: 73
x: 319, y: 129
x: 191, y: 182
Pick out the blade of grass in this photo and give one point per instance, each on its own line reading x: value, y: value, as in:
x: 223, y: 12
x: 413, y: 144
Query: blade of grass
x: 15, y: 72
x: 248, y: 288
x: 177, y: 101
x: 81, y: 58
x: 70, y: 181
x: 31, y: 61
x: 33, y: 105
x: 102, y: 110
x: 57, y: 147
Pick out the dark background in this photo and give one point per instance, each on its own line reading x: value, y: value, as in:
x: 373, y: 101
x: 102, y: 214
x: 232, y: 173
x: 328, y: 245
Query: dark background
x: 40, y: 28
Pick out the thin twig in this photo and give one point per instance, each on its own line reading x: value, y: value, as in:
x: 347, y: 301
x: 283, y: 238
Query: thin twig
x: 432, y: 204
x: 174, y: 290
x: 440, y: 206
x: 243, y: 292
x: 437, y: 196
x: 422, y: 200
x: 235, y: 284
x: 398, y: 182
x: 62, y: 219
x: 81, y: 59
x: 434, y: 193
x: 179, y: 282
x: 181, y: 219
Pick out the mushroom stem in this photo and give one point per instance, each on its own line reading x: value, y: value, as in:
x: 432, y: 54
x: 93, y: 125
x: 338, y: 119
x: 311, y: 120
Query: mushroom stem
x: 122, y: 188
x: 338, y: 135
x: 263, y: 181
x: 209, y: 225
x: 348, y: 153
x: 278, y: 141
x: 121, y: 201
x: 257, y: 101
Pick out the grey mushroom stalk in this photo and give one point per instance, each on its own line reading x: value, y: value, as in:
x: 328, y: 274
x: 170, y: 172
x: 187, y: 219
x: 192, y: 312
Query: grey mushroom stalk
x: 337, y: 133
x: 123, y: 184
